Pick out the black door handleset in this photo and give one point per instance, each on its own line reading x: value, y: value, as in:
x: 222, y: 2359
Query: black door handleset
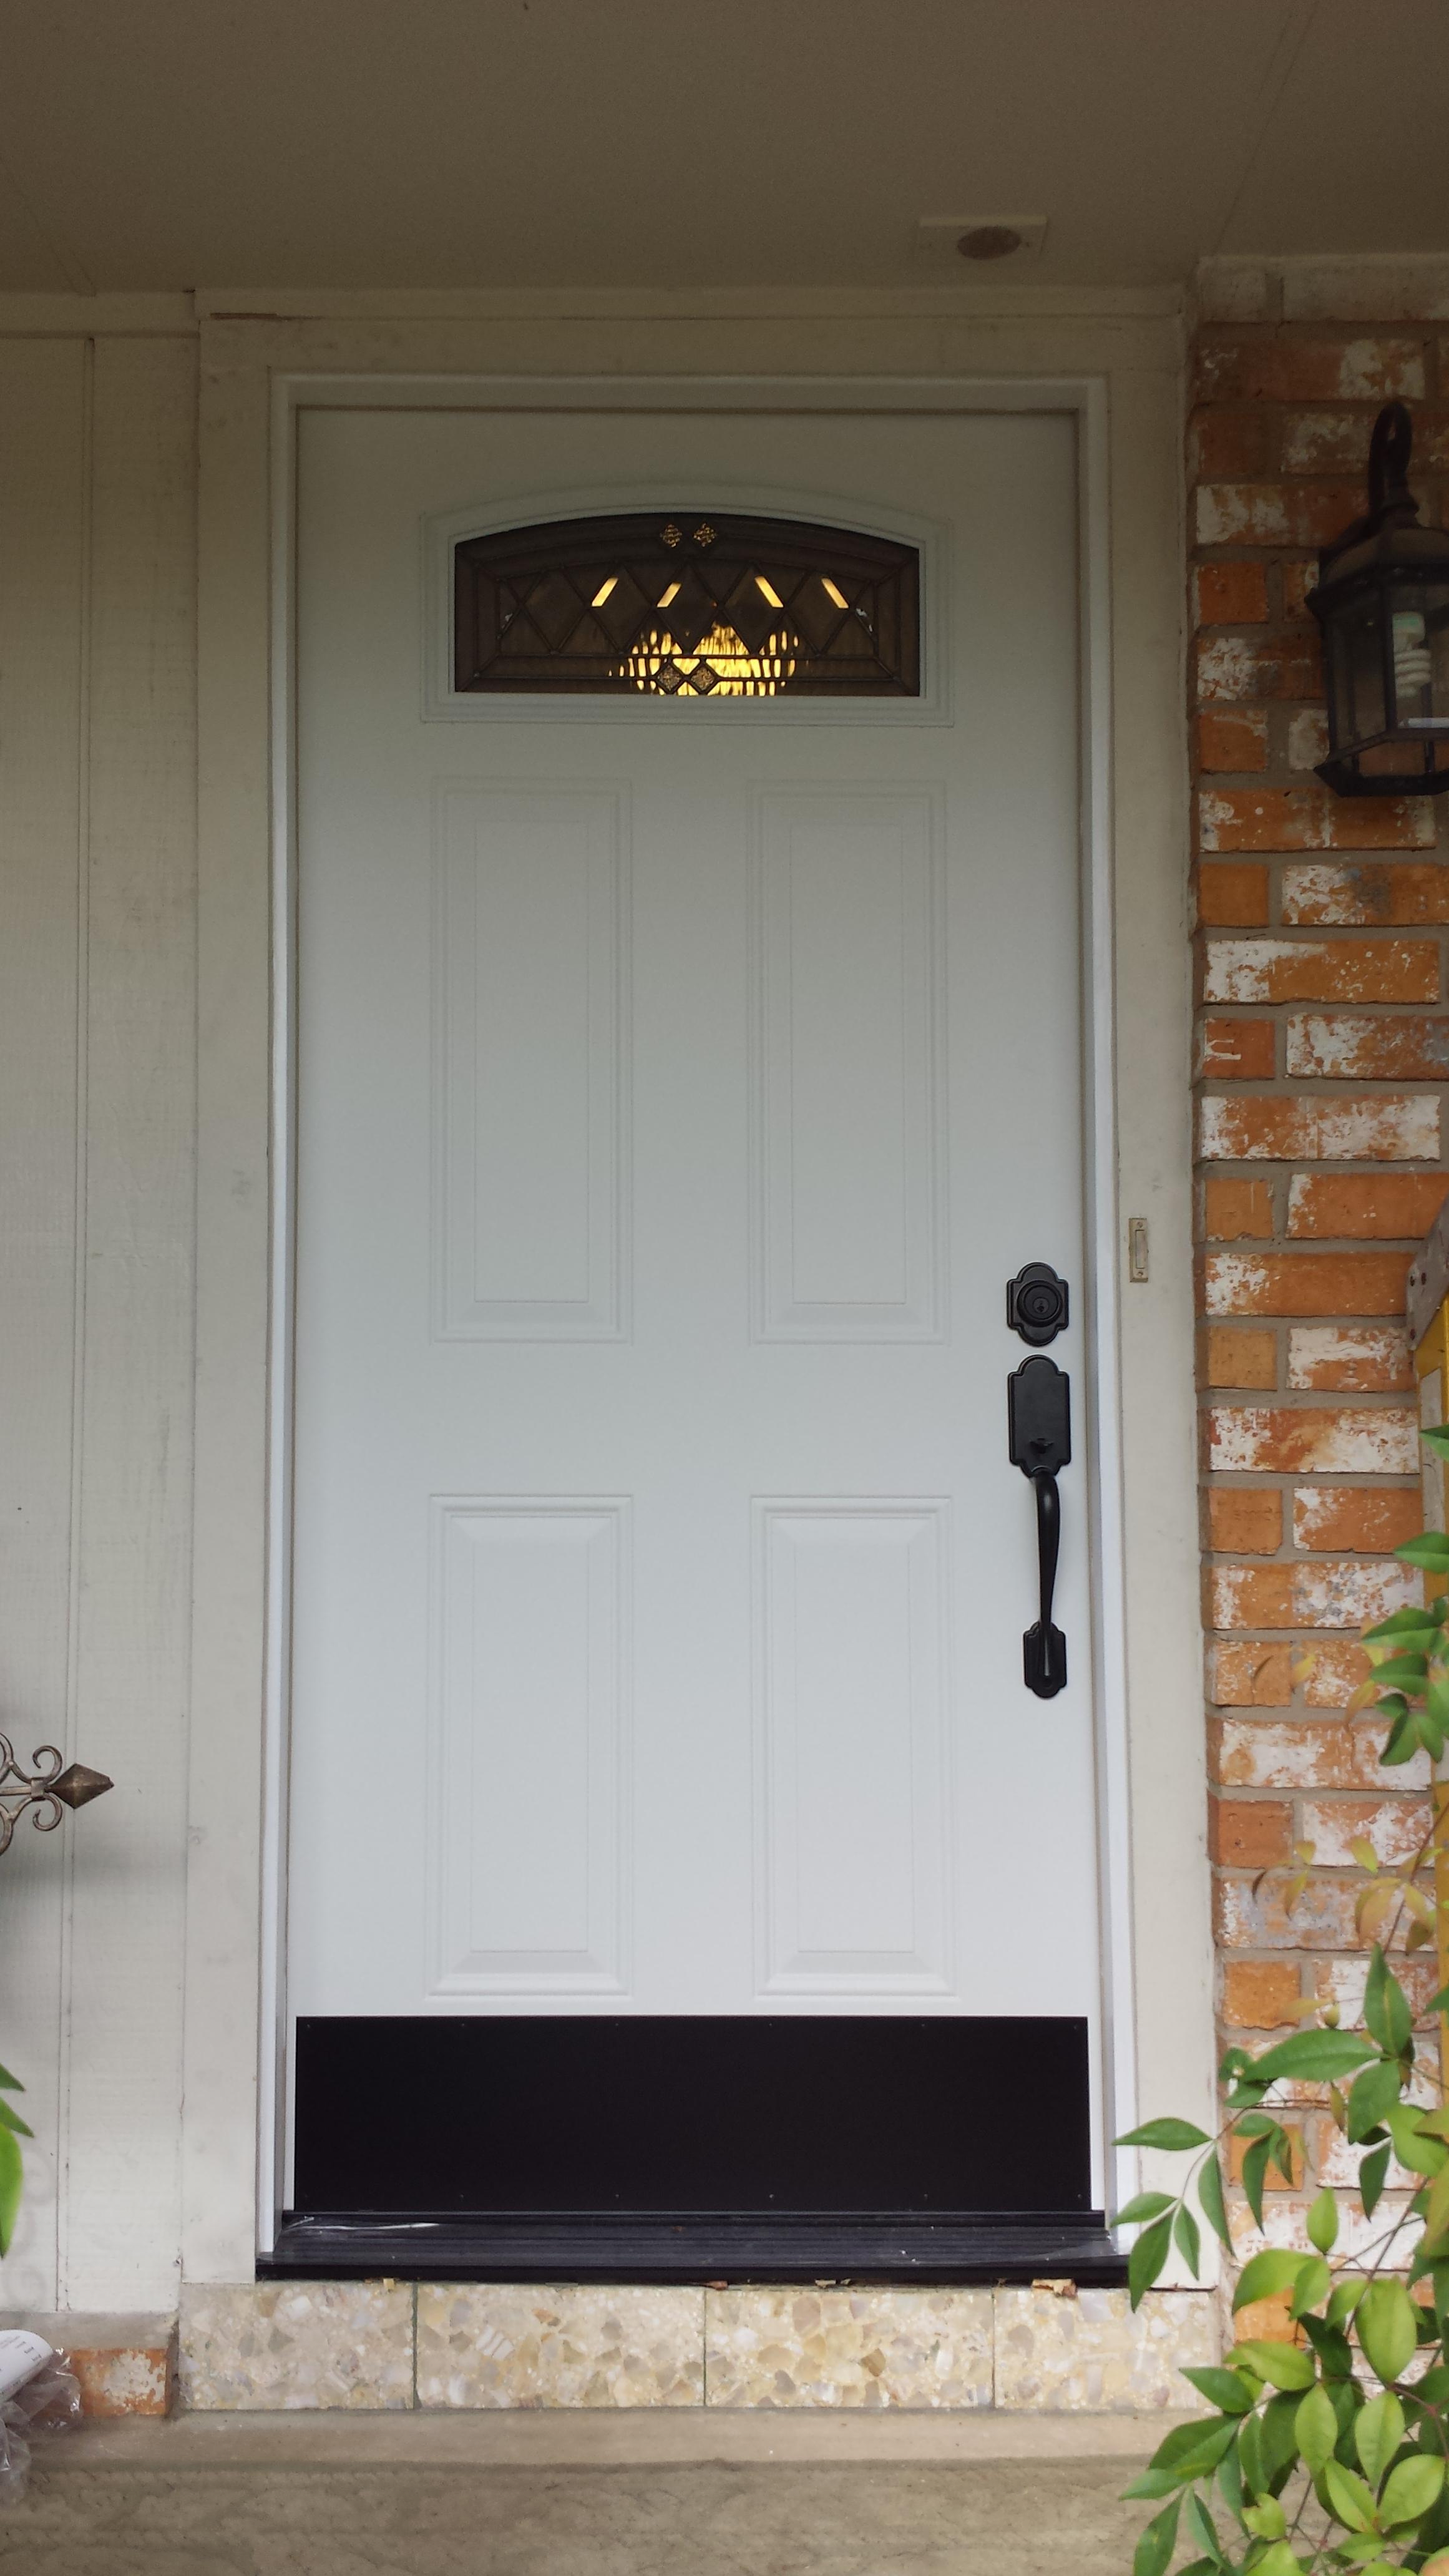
x: 1039, y: 1442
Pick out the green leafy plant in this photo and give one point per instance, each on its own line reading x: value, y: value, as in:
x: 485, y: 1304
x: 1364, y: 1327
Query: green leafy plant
x: 12, y: 2171
x: 1304, y: 2466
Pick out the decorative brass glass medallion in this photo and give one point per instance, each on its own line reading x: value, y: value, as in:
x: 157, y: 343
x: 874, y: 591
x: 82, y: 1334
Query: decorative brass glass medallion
x: 687, y: 604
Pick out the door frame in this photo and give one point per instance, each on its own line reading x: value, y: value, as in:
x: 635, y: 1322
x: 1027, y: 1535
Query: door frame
x: 256, y: 378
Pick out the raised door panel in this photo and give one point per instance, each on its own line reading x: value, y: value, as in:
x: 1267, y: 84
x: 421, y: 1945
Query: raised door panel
x: 848, y: 1060
x: 852, y: 1791
x: 530, y: 1740
x: 530, y: 1051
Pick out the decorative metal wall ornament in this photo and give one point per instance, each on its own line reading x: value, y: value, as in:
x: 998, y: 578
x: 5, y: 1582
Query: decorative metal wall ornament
x: 47, y: 1789
x: 1382, y: 602
x: 689, y: 605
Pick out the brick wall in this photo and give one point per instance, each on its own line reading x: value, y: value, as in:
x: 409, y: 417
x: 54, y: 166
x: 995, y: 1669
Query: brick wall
x: 1322, y: 1045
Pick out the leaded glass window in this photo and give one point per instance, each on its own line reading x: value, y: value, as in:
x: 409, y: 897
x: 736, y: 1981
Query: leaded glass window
x: 687, y: 604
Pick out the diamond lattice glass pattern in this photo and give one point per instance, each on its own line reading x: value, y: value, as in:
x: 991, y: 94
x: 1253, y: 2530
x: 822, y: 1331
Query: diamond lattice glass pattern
x: 687, y: 604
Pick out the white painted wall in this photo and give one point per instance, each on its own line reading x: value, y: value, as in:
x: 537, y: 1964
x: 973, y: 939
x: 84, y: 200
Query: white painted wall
x: 97, y: 1160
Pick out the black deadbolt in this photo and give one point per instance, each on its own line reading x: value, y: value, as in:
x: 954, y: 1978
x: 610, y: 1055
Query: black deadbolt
x: 1036, y: 1304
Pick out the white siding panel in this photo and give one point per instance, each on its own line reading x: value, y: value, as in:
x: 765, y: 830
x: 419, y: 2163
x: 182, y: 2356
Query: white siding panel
x: 120, y: 2242
x: 43, y: 392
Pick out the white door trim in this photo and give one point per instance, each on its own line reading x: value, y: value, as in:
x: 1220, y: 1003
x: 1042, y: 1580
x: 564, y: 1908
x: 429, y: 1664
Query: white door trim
x: 1140, y: 1390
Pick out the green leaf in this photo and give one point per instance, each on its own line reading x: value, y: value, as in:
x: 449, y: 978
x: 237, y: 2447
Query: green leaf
x: 1222, y: 2388
x: 1386, y: 2007
x: 1174, y: 2135
x: 1431, y: 1550
x: 1313, y: 2286
x: 1210, y: 2198
x: 1245, y: 2092
x: 1188, y: 2451
x: 12, y: 2176
x: 1179, y: 2445
x: 1316, y: 2426
x: 1320, y: 2055
x: 1410, y: 1670
x: 1280, y: 2441
x: 1230, y: 2482
x: 1404, y: 1738
x: 1435, y: 1435
x: 1377, y: 2434
x: 1371, y: 2177
x: 1267, y: 2521
x: 1204, y: 2530
x: 1422, y: 2155
x: 11, y: 2083
x: 1150, y: 2487
x: 1187, y: 2239
x: 1323, y: 2222
x: 1413, y: 2487
x: 1388, y: 2328
x: 1335, y: 2354
x: 1147, y: 2258
x: 1283, y: 2365
x: 1411, y: 1621
x: 1252, y: 2459
x: 1212, y: 2441
x: 1266, y: 2274
x: 11, y: 2120
x: 1148, y: 2204
x: 1346, y: 2296
x: 1277, y: 2561
x: 1255, y: 2174
x: 1349, y: 2498
x: 1153, y: 2553
x: 1373, y: 2096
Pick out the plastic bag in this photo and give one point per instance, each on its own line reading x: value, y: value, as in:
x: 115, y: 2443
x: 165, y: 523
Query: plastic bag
x: 38, y: 2393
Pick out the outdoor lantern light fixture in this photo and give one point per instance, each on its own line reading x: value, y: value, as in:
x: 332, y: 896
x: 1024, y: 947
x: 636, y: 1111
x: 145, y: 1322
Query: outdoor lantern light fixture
x: 1382, y: 602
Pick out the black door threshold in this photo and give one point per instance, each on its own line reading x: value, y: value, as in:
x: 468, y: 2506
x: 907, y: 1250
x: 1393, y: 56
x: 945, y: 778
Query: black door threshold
x: 959, y: 2248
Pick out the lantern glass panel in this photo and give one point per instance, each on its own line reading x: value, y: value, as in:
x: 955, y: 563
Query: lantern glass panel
x: 1357, y: 658
x: 1420, y: 626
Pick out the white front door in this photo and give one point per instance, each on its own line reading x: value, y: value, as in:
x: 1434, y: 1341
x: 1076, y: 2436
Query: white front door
x: 678, y: 1088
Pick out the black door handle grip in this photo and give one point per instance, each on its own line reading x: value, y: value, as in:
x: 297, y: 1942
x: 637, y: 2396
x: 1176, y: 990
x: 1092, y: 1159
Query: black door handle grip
x: 1044, y: 1648
x: 1039, y: 1416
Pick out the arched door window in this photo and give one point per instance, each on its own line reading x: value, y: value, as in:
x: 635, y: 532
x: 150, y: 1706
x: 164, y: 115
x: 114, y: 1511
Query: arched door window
x: 687, y: 604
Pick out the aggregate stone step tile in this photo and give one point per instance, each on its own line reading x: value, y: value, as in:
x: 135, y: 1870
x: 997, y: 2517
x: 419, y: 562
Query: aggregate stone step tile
x: 994, y: 2518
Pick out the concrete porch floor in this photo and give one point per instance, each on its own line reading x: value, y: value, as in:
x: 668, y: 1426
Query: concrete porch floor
x: 544, y: 2495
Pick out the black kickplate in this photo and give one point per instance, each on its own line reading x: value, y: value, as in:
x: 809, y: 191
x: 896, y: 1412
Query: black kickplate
x: 360, y: 2245
x: 565, y: 2119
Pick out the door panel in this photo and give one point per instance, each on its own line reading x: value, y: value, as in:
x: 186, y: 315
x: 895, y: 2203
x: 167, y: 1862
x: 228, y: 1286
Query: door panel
x: 850, y: 1070
x: 676, y: 1093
